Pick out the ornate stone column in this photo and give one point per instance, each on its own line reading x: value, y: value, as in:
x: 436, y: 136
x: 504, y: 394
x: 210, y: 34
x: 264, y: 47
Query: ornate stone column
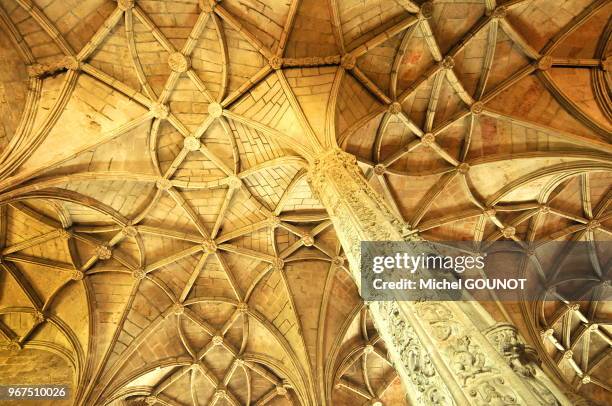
x: 446, y: 353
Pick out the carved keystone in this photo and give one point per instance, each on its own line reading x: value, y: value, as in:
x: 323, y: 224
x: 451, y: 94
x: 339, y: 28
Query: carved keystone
x: 159, y: 111
x: 209, y: 246
x: 207, y: 6
x: 463, y: 168
x: 544, y: 209
x: 138, y: 274
x: 274, y: 221
x: 498, y: 13
x: 395, y: 108
x: 490, y: 212
x: 215, y: 110
x: 281, y: 390
x: 426, y: 11
x: 163, y: 184
x: 234, y: 182
x: 103, y: 252
x: 477, y: 108
x: 129, y: 231
x: 275, y: 62
x: 428, y: 139
x: 125, y: 4
x: 307, y: 240
x: 179, y: 62
x: 586, y: 379
x: 568, y: 354
x: 376, y: 402
x: 593, y: 224
x: 217, y: 340
x: 380, y: 169
x: 338, y: 261
x: 447, y: 63
x: 369, y: 349
x: 545, y: 62
x: 178, y: 308
x: 71, y: 63
x: 278, y: 264
x: 220, y: 393
x: 509, y: 232
x: 77, y: 275
x: 547, y: 333
x: 64, y: 234
x: 191, y: 143
x: 348, y: 61
x: 151, y: 400
x: 38, y: 317
x: 13, y: 345
x: 242, y: 307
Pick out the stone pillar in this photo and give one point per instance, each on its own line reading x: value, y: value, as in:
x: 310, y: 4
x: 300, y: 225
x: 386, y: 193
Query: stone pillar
x: 446, y: 353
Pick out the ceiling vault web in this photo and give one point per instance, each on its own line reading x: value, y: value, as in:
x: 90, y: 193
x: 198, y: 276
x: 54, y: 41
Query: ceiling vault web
x: 156, y: 180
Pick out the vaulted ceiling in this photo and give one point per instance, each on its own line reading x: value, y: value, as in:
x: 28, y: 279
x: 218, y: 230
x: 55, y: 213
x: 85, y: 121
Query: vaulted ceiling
x: 160, y: 243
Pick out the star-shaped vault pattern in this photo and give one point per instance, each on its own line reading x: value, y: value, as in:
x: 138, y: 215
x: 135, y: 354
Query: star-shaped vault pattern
x: 160, y: 243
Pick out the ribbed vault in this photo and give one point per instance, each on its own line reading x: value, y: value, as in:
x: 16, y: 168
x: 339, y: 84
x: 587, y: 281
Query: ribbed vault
x: 160, y: 243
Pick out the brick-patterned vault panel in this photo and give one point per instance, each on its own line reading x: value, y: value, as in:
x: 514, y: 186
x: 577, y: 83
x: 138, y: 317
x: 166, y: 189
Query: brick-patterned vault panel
x: 159, y: 240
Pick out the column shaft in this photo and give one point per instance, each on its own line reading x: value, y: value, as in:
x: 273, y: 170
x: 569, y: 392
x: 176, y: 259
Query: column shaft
x: 446, y: 353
